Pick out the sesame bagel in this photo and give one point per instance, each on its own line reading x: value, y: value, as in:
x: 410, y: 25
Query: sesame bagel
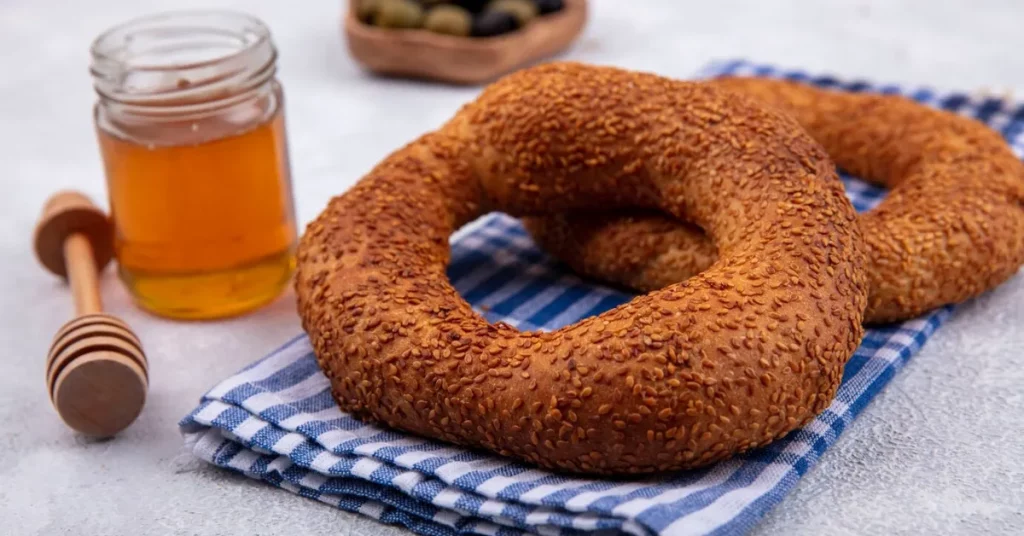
x: 951, y: 227
x: 731, y: 359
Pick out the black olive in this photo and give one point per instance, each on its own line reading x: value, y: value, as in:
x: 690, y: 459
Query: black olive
x: 491, y: 23
x: 549, y: 6
x: 473, y: 6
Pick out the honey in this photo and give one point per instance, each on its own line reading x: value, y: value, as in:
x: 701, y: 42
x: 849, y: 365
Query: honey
x: 204, y: 229
x: 196, y: 162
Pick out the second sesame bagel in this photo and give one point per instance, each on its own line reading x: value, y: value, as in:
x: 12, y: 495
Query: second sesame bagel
x: 951, y: 227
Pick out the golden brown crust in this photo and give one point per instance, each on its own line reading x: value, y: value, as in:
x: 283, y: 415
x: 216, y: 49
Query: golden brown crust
x: 731, y: 359
x: 951, y: 227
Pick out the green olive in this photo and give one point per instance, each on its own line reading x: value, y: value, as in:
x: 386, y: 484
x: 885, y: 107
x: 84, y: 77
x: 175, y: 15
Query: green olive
x: 523, y: 10
x: 367, y: 9
x: 399, y: 14
x: 448, y: 19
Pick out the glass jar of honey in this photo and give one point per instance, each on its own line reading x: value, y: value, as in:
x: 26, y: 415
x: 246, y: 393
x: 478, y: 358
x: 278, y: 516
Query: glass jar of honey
x: 191, y: 129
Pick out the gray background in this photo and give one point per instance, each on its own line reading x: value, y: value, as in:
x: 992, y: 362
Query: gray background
x: 938, y: 452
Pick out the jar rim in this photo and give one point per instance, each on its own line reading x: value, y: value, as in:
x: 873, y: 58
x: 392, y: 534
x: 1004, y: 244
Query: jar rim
x: 128, y: 28
x: 178, y: 56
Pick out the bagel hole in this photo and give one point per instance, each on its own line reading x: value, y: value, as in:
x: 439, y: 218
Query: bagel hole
x: 863, y: 195
x: 499, y: 269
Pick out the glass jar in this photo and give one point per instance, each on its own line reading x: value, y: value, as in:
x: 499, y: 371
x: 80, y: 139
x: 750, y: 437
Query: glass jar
x: 191, y: 129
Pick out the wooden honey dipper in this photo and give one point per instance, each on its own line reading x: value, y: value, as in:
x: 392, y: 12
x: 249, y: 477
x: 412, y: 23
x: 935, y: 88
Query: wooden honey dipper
x: 96, y: 372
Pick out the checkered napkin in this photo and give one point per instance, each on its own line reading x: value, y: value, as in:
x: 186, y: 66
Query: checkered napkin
x: 275, y: 420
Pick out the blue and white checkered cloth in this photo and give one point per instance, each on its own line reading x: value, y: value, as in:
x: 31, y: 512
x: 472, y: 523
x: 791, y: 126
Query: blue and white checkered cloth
x: 275, y: 420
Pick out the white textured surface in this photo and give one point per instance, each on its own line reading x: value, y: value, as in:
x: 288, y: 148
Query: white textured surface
x: 939, y: 452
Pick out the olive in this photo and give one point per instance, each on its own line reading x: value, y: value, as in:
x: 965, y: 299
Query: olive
x: 473, y: 6
x: 549, y: 6
x: 448, y: 19
x: 399, y: 14
x: 523, y: 10
x: 367, y: 9
x: 492, y: 23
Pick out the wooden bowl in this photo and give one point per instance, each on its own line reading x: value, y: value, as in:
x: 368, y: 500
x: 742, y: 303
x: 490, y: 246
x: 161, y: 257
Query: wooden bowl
x: 427, y: 55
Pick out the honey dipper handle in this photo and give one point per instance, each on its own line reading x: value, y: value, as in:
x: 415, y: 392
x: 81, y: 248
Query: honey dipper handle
x: 81, y: 269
